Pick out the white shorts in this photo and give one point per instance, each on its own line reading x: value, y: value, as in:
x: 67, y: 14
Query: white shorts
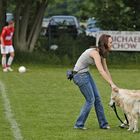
x: 7, y: 49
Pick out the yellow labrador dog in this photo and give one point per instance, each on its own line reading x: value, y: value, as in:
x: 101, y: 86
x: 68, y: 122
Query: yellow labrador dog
x: 129, y: 101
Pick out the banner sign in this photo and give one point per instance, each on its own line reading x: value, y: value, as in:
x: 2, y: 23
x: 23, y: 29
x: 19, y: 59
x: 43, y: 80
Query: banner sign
x: 122, y: 40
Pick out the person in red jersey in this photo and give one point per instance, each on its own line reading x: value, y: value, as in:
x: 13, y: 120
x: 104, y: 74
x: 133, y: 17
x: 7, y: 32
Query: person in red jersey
x: 7, y: 46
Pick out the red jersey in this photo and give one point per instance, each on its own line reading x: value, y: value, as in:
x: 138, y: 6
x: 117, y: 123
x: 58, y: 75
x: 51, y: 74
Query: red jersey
x: 7, y: 35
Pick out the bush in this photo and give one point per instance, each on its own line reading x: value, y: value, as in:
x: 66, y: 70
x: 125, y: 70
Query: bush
x: 124, y: 57
x: 68, y: 51
x: 68, y: 46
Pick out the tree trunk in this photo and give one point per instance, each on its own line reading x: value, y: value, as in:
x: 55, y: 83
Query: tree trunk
x: 37, y: 27
x: 27, y: 27
x: 17, y: 27
x: 22, y: 19
x: 3, y: 6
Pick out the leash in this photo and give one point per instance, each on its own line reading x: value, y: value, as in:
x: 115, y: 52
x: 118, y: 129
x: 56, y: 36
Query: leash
x: 115, y: 110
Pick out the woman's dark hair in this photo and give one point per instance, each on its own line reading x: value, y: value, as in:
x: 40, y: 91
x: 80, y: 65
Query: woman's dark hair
x: 103, y: 45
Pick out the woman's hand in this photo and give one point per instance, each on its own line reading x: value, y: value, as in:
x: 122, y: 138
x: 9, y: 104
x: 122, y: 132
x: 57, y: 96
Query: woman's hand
x: 114, y: 88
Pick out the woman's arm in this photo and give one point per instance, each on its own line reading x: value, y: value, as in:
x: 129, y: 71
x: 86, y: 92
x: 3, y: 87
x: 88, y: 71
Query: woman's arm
x: 95, y: 55
x: 103, y: 60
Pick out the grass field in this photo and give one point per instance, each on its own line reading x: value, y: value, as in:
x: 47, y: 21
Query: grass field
x: 45, y: 105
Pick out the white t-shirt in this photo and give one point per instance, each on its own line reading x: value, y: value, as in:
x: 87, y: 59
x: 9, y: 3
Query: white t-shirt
x: 83, y: 62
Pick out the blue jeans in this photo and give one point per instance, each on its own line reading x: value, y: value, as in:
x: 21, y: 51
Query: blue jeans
x: 89, y: 90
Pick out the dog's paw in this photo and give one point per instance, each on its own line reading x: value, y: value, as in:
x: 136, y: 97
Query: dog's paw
x: 129, y: 129
x: 134, y: 131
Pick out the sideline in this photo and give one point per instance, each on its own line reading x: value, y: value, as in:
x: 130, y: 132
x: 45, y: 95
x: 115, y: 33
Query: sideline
x: 9, y: 115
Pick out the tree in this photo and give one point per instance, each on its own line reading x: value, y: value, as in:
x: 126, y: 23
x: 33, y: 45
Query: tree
x: 134, y: 11
x: 64, y: 7
x: 114, y: 14
x: 28, y: 19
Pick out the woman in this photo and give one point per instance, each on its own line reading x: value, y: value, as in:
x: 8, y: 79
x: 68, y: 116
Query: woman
x: 86, y: 84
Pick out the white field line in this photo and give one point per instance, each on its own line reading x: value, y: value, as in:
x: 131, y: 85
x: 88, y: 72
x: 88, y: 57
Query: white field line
x: 9, y: 115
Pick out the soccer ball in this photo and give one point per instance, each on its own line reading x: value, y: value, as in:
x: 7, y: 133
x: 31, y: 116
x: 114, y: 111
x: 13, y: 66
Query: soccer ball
x: 22, y: 69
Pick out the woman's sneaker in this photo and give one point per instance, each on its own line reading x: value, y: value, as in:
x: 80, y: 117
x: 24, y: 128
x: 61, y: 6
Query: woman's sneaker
x: 81, y: 128
x: 106, y: 127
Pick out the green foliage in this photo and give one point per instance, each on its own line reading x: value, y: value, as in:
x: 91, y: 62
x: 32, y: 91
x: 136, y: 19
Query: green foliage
x: 114, y: 14
x: 66, y: 7
x: 124, y: 58
x: 66, y: 60
x: 36, y: 58
x: 68, y: 47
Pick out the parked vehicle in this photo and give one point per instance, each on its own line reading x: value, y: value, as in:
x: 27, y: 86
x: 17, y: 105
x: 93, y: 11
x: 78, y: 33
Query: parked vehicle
x: 63, y: 24
x: 91, y: 28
